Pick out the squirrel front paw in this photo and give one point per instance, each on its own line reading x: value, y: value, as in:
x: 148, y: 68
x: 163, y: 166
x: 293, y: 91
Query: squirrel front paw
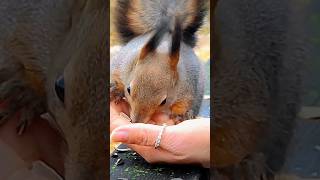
x: 116, y: 89
x: 116, y: 94
x: 27, y: 113
x: 18, y: 98
x: 178, y: 118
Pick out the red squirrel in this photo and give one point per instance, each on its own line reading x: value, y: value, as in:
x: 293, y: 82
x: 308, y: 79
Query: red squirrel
x: 157, y: 71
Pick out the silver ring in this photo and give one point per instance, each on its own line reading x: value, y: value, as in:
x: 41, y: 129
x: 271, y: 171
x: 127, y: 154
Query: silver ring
x: 158, y: 140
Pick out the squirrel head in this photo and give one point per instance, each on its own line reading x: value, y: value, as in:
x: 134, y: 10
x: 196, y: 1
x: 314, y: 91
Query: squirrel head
x: 149, y: 88
x: 154, y: 76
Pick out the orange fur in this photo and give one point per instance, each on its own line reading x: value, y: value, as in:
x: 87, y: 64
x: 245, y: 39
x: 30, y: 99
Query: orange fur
x: 180, y: 107
x: 144, y: 52
x: 36, y: 83
x: 174, y: 59
x: 117, y: 80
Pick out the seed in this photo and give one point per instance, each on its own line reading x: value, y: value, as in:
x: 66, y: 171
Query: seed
x: 125, y: 116
x: 123, y: 150
x: 114, y: 155
x: 134, y: 153
x: 119, y: 162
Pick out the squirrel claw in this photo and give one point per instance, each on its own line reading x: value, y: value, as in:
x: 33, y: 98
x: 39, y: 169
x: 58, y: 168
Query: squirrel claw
x: 21, y: 127
x: 21, y: 99
x: 27, y: 114
x: 176, y: 118
x: 179, y: 118
x: 118, y: 100
x: 116, y: 97
x: 116, y: 94
x: 6, y: 114
x: 25, y: 118
x: 3, y: 117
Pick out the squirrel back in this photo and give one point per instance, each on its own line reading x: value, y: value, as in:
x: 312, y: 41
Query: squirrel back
x: 137, y: 17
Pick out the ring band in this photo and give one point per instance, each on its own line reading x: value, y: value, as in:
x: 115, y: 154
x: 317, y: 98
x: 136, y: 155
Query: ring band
x: 157, y: 143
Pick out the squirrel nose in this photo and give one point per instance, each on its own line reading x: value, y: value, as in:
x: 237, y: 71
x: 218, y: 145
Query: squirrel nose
x: 136, y: 118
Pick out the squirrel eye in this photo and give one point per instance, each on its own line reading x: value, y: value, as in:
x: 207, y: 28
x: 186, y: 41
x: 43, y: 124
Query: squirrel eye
x: 128, y: 89
x: 163, y: 102
x: 59, y: 88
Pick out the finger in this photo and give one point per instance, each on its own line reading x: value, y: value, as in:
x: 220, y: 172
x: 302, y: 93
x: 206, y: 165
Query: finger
x: 125, y: 107
x: 122, y: 106
x: 116, y: 120
x: 141, y: 134
x: 152, y: 155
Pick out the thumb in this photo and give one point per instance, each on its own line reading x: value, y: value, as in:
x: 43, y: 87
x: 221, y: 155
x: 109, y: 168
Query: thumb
x: 138, y: 133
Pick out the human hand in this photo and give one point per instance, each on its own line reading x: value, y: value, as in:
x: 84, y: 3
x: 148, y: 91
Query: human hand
x: 185, y: 143
x: 115, y: 119
x: 39, y: 142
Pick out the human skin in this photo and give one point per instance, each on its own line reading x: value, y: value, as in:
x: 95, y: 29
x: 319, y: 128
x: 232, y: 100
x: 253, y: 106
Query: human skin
x: 38, y: 142
x: 185, y: 143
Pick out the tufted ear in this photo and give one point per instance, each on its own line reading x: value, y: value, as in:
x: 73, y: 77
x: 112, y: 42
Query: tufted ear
x: 154, y: 41
x: 175, y: 45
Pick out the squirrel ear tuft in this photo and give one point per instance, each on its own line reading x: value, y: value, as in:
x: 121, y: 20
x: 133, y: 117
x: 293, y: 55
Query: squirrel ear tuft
x: 144, y: 52
x: 154, y: 41
x: 175, y: 45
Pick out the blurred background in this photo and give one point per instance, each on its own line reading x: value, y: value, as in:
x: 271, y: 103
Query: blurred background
x: 303, y: 159
x: 312, y: 96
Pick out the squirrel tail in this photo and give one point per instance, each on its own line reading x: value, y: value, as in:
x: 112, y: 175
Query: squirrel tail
x: 137, y: 17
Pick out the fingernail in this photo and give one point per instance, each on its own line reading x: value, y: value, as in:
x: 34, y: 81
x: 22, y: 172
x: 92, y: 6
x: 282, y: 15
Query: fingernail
x: 120, y: 136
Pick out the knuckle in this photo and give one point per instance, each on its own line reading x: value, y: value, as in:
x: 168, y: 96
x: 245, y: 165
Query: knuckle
x: 143, y: 137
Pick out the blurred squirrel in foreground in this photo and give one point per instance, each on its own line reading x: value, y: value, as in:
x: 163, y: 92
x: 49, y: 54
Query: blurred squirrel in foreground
x: 156, y: 71
x: 257, y: 80
x: 53, y: 59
